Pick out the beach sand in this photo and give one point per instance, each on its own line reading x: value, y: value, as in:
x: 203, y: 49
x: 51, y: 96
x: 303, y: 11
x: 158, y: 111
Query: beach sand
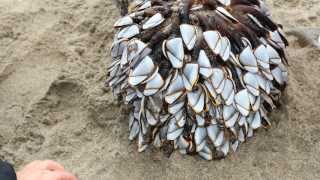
x: 53, y: 104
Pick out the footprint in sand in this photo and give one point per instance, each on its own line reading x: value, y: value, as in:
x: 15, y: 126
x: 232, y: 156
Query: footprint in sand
x: 306, y: 36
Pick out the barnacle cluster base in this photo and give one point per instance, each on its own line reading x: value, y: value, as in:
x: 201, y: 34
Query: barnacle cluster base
x: 199, y: 76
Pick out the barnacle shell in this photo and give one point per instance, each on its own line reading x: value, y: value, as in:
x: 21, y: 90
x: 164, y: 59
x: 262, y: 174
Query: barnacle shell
x: 200, y: 76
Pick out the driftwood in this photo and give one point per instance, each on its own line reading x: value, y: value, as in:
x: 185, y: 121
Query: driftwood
x: 123, y: 6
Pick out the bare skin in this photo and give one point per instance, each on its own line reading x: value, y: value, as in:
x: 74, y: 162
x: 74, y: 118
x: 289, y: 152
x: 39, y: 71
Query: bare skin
x: 44, y: 170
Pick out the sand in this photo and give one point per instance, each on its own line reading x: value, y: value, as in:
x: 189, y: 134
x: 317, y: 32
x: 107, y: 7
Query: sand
x: 53, y: 104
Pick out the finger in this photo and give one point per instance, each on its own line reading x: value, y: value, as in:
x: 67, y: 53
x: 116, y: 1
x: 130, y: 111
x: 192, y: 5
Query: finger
x: 61, y: 175
x: 34, y: 163
x: 51, y: 165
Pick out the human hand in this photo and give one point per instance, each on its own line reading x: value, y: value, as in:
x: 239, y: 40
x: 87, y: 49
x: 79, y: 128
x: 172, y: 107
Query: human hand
x: 44, y: 170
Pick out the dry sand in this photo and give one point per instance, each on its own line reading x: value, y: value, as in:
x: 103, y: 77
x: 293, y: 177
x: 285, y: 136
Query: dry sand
x: 53, y: 104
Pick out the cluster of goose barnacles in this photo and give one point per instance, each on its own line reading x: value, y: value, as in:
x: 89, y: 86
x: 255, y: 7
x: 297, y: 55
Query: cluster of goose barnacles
x: 198, y: 75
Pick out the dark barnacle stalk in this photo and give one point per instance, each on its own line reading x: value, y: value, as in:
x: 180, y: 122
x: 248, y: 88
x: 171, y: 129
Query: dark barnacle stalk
x: 200, y: 75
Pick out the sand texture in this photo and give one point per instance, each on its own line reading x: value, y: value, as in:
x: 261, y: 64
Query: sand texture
x: 53, y: 104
